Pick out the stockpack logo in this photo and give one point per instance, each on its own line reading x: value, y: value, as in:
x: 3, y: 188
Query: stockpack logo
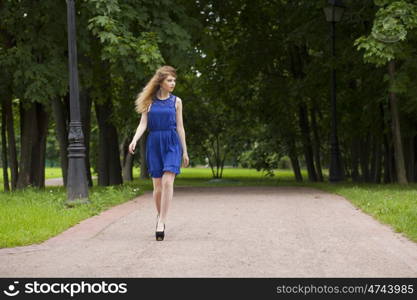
x: 391, y: 26
x: 68, y: 288
x: 11, y: 290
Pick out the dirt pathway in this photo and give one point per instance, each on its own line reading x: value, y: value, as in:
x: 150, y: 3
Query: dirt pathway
x: 223, y: 232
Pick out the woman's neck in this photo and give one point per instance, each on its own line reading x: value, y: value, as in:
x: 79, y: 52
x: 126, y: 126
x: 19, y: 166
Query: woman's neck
x: 163, y: 94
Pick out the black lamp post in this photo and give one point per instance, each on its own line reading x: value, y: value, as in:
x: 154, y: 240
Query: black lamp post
x: 77, y: 187
x: 334, y: 14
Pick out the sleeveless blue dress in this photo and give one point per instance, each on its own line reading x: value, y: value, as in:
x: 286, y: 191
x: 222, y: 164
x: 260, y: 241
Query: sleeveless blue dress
x: 163, y: 147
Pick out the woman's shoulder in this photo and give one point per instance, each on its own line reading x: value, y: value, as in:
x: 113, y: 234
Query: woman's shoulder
x: 175, y: 97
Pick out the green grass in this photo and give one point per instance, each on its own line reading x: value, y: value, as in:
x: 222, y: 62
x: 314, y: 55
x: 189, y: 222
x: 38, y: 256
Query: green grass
x: 32, y: 216
x: 391, y: 204
x: 49, y: 173
x: 53, y: 173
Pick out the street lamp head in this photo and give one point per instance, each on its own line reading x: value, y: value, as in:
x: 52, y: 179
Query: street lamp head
x: 334, y: 12
x: 336, y: 3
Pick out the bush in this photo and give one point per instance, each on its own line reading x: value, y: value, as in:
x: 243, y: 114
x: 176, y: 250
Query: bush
x: 284, y: 163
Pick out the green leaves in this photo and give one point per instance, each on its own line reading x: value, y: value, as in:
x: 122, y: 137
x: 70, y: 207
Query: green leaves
x: 148, y: 50
x: 376, y: 52
x: 391, y: 28
x: 33, y: 49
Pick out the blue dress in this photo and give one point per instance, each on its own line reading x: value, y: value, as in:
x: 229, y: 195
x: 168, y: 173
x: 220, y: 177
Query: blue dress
x: 163, y: 147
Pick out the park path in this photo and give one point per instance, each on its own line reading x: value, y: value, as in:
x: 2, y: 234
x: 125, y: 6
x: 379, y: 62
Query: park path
x: 223, y: 232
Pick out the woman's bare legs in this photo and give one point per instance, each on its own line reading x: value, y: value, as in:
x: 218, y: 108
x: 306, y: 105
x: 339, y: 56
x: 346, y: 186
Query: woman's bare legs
x: 166, y: 197
x: 157, y: 191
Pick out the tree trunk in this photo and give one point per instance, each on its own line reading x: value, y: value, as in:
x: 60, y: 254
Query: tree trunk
x: 298, y: 57
x: 109, y: 168
x: 409, y: 157
x: 393, y: 173
x: 34, y: 129
x: 11, y: 141
x: 387, y: 164
x: 28, y: 130
x: 316, y: 143
x: 4, y: 148
x: 355, y: 159
x: 61, y: 121
x: 377, y: 158
x: 387, y: 153
x: 39, y: 147
x: 225, y: 154
x: 378, y: 145
x: 415, y: 159
x: 306, y: 140
x: 396, y: 131
x: 294, y: 160
x: 8, y: 41
x: 372, y: 156
x: 364, y: 158
x: 127, y: 163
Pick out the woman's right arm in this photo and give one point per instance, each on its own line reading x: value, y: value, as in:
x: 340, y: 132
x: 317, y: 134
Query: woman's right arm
x: 139, y: 131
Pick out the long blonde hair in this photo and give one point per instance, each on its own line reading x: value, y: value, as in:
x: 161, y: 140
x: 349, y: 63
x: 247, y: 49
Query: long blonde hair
x: 144, y: 98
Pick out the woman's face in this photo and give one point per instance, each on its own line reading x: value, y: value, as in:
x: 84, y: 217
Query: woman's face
x: 169, y: 83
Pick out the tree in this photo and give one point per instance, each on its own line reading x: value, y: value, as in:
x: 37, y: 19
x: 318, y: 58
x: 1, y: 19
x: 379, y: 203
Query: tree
x: 387, y: 43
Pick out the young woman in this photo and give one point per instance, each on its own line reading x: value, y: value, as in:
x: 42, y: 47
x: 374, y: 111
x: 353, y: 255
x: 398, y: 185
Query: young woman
x: 165, y: 145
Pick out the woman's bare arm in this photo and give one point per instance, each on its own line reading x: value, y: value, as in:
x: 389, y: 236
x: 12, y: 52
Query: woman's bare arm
x: 180, y: 125
x: 143, y: 124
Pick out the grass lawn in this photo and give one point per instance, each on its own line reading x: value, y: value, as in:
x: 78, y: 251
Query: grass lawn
x: 49, y: 173
x: 32, y: 216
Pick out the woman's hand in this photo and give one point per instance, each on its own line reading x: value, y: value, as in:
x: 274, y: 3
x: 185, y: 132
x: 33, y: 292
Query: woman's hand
x: 185, y: 159
x: 132, y: 147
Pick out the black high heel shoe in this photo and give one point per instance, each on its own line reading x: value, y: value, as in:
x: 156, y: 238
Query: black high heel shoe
x: 159, y: 235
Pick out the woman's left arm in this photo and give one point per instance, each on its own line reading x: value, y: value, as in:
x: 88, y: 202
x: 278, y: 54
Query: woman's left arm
x: 180, y: 126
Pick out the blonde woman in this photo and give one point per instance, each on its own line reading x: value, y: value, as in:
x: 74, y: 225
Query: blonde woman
x: 165, y: 145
